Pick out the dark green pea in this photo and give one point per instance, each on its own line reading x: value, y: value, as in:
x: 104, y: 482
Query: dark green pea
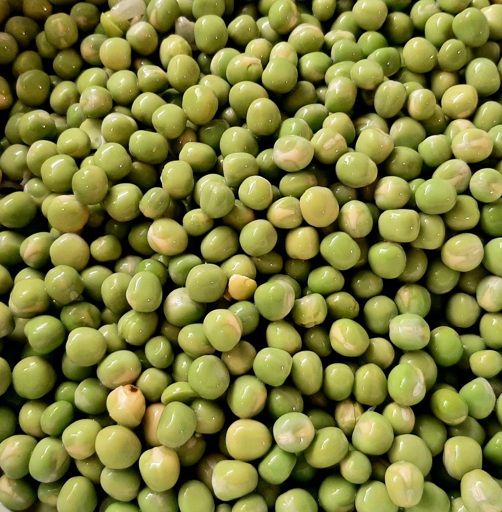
x: 33, y: 87
x: 342, y: 305
x: 8, y: 426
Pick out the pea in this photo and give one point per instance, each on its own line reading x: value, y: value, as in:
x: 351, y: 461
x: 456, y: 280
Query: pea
x: 233, y: 479
x: 380, y: 438
x: 491, y: 492
x: 405, y: 483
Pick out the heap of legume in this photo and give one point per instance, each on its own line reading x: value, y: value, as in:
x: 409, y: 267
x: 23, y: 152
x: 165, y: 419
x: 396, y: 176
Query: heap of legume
x: 251, y: 255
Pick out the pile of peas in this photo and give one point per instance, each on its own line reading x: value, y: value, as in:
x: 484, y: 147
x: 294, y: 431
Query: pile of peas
x: 251, y: 255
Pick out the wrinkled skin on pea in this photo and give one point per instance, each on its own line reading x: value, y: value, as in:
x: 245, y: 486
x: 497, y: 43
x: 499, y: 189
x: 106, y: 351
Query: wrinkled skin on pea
x: 250, y: 255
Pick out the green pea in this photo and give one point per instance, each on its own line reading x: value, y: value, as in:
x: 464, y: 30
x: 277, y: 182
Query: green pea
x: 454, y: 256
x: 293, y: 432
x: 49, y: 460
x: 276, y: 466
x: 387, y: 259
x: 33, y: 377
x: 490, y: 490
x: 492, y: 449
x: 208, y: 376
x: 356, y: 169
x: 15, y: 455
x: 370, y: 386
x: 340, y: 250
x: 256, y: 193
x: 223, y: 329
x: 247, y: 439
x: 263, y: 117
x: 472, y: 145
x: 293, y: 153
x: 405, y: 483
x: 485, y: 363
x: 272, y: 366
x: 380, y: 352
x: 402, y: 418
x: 328, y: 448
x: 374, y: 494
x: 401, y: 328
x: 274, y: 300
x: 281, y: 334
x: 240, y: 359
x: 372, y: 433
x: 232, y: 479
x: 78, y: 492
x: 449, y: 406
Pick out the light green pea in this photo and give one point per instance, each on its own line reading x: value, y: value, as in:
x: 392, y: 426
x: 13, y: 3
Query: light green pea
x: 372, y: 433
x: 223, y: 329
x: 405, y: 483
x: 247, y: 439
x: 274, y: 300
x: 490, y: 494
x: 293, y: 153
x: 159, y: 468
x: 462, y: 252
x: 348, y: 338
x: 356, y: 169
x: 232, y: 479
x: 293, y: 432
x: 472, y: 145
